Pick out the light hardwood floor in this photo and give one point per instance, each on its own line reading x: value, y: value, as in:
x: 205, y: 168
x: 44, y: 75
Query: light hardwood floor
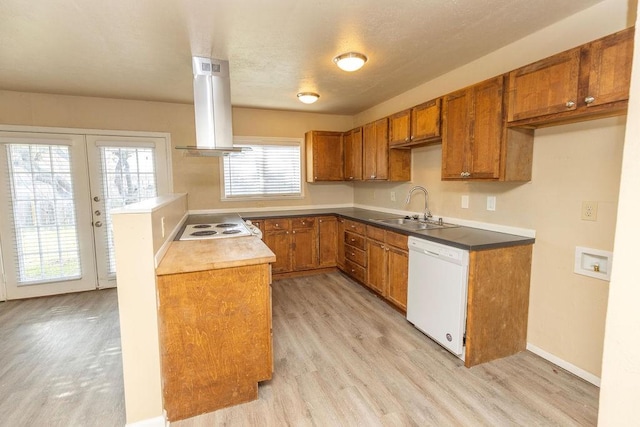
x: 342, y: 357
x: 60, y: 361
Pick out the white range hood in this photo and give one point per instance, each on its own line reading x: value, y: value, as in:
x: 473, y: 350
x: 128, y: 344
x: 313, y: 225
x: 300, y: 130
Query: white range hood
x: 212, y: 102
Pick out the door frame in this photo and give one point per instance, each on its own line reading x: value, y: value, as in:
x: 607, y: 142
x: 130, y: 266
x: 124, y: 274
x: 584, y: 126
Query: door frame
x: 84, y: 132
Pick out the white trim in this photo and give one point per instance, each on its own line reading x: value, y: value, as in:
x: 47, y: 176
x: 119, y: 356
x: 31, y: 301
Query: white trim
x: 149, y: 205
x: 165, y: 246
x: 579, y: 372
x: 160, y: 421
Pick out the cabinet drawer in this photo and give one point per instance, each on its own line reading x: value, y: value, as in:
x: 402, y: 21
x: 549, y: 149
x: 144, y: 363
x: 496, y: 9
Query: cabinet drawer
x: 397, y: 240
x: 277, y: 224
x: 355, y: 227
x: 375, y: 233
x: 354, y: 270
x: 354, y: 240
x: 298, y: 223
x: 356, y: 255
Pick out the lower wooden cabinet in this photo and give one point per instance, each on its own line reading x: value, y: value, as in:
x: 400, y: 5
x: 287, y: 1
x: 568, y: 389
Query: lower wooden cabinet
x: 398, y: 276
x: 388, y: 265
x: 327, y: 241
x: 341, y: 254
x: 277, y: 236
x: 304, y: 244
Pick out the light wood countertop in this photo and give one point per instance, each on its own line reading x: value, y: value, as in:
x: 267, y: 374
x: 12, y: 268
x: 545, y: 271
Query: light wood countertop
x: 198, y: 255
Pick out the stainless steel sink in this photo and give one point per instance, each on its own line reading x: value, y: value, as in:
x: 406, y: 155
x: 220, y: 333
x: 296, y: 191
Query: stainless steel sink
x: 414, y: 224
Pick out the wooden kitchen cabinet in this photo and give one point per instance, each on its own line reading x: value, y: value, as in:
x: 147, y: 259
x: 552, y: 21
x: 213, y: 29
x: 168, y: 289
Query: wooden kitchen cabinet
x: 324, y: 153
x: 476, y: 144
x: 327, y: 241
x: 354, y: 247
x: 277, y: 236
x: 304, y: 244
x: 200, y: 358
x: 353, y: 155
x: 388, y: 265
x: 340, y: 254
x: 379, y: 162
x: 588, y: 81
x: 419, y: 125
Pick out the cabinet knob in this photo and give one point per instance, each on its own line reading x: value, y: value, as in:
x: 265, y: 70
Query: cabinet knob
x: 315, y: 177
x: 412, y: 137
x: 373, y: 176
x: 589, y: 100
x: 353, y: 240
x: 350, y: 177
x: 294, y: 232
x: 570, y: 104
x: 382, y: 247
x: 352, y: 254
x: 407, y: 139
x: 462, y: 174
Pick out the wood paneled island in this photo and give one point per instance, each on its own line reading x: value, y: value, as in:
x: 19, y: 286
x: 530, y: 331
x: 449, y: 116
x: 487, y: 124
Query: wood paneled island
x: 214, y: 310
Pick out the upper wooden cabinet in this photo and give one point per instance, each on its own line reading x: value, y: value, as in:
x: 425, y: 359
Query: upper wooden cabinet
x: 324, y: 152
x: 352, y: 141
x: 588, y: 81
x: 379, y: 162
x: 419, y: 125
x: 476, y: 145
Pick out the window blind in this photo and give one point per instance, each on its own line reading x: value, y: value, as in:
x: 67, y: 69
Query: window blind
x: 44, y: 213
x: 268, y: 170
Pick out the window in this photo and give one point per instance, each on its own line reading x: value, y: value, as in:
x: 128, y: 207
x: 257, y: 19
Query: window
x: 272, y: 169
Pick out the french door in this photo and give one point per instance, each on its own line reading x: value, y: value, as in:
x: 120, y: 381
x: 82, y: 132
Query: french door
x: 56, y: 194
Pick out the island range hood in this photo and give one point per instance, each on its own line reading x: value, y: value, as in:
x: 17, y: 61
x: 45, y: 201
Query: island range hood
x: 212, y: 102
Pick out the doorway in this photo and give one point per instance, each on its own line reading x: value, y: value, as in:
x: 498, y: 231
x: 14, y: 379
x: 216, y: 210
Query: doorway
x: 56, y: 194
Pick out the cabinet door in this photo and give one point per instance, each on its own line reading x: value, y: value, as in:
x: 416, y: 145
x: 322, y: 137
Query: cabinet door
x: 324, y: 156
x: 545, y: 87
x: 610, y: 69
x: 304, y: 249
x: 400, y: 128
x: 484, y: 162
x: 353, y: 155
x: 328, y: 241
x: 398, y: 277
x: 376, y: 265
x: 456, y: 133
x: 425, y: 121
x: 341, y: 243
x: 280, y: 243
x: 376, y: 150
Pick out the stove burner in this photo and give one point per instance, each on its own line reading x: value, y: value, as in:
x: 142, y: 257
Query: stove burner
x: 204, y: 233
x: 202, y: 226
x: 226, y: 225
x: 234, y: 231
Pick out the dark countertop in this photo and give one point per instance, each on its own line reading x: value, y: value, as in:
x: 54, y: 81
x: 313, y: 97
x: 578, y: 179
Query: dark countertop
x: 471, y: 239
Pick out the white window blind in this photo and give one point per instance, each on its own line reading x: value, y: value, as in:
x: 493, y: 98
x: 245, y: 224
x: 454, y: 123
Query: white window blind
x: 128, y: 176
x: 270, y: 169
x: 44, y: 213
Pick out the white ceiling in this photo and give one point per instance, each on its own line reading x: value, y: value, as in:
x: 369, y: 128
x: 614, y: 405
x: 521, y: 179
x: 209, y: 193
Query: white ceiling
x: 141, y: 49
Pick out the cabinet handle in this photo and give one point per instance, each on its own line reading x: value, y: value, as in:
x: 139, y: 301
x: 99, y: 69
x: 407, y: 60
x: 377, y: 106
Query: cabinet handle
x: 407, y: 139
x: 373, y: 177
x: 382, y: 247
x: 294, y: 232
x: 352, y: 254
x: 353, y: 240
x: 570, y: 104
x: 462, y: 174
x: 350, y: 177
x: 589, y: 100
x: 412, y: 137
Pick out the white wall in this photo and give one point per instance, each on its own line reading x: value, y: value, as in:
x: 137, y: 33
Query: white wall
x: 620, y: 391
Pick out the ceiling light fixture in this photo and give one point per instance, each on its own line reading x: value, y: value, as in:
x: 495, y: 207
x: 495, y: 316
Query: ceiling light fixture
x: 308, y: 97
x: 350, y: 61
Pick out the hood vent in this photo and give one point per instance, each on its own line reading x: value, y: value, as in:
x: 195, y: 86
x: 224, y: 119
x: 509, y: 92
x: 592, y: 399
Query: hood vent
x: 212, y: 102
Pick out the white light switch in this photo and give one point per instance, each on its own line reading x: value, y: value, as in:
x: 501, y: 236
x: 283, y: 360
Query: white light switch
x: 465, y: 202
x: 491, y: 203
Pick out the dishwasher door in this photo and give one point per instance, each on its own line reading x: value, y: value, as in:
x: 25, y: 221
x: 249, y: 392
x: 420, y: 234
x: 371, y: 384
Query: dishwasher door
x: 437, y: 294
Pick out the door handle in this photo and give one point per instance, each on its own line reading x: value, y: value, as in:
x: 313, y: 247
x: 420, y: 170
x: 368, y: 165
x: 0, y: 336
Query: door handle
x: 96, y: 199
x: 97, y: 223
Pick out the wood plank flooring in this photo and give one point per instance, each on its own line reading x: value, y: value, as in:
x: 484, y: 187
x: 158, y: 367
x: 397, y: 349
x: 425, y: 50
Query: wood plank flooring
x: 344, y: 357
x: 60, y: 361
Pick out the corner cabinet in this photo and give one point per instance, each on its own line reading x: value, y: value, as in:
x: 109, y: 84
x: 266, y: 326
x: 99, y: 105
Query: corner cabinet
x: 324, y: 153
x: 380, y: 163
x: 586, y: 82
x: 476, y: 144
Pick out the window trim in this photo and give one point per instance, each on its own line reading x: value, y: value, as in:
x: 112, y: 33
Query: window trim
x: 257, y: 140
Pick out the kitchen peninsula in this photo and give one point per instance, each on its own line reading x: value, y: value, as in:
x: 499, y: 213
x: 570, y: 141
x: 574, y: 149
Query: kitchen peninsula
x: 214, y: 299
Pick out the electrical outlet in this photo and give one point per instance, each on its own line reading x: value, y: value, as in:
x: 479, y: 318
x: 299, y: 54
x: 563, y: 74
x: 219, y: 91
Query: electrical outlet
x: 393, y: 196
x: 589, y: 211
x: 465, y: 202
x: 491, y: 203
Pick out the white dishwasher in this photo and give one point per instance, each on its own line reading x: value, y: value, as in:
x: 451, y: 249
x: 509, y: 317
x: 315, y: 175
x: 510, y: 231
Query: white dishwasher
x: 437, y: 294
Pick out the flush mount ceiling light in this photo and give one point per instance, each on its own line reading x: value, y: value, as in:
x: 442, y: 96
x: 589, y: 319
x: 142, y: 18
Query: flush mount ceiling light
x: 350, y: 61
x: 308, y: 97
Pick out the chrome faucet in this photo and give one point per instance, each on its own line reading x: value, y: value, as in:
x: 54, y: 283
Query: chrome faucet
x: 427, y: 212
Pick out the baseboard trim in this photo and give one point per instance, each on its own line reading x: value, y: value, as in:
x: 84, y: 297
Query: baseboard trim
x: 587, y: 376
x: 160, y: 421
